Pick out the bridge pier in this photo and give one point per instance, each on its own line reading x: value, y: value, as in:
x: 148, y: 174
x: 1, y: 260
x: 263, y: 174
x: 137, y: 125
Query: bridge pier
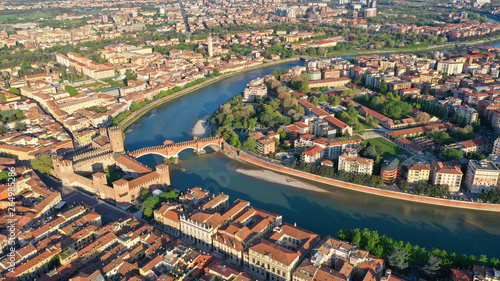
x: 201, y: 152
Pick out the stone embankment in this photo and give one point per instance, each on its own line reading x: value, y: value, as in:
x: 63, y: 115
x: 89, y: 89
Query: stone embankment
x: 248, y: 158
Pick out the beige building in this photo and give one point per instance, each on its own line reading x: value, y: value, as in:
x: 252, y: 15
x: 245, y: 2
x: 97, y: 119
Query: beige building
x: 86, y: 66
x: 331, y: 82
x: 168, y: 218
x: 496, y: 147
x: 253, y: 91
x: 271, y: 261
x: 233, y: 240
x: 19, y: 152
x: 351, y: 163
x: 266, y: 145
x: 419, y: 173
x: 481, y: 176
x: 312, y: 154
x: 446, y: 175
x: 450, y: 67
x: 71, y: 106
x: 200, y: 227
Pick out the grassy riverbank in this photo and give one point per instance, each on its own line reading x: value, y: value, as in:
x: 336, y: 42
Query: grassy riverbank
x: 416, y: 49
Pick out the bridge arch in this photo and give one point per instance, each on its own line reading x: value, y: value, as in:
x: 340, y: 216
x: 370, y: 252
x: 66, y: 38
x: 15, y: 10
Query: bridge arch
x: 213, y: 145
x: 149, y: 153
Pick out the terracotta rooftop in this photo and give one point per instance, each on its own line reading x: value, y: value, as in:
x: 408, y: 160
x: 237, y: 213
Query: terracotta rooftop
x: 275, y: 252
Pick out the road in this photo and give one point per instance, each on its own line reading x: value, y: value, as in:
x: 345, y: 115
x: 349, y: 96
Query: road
x: 74, y: 196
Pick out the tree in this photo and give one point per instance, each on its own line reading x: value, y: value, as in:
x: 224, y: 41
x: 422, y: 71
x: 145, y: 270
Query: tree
x: 145, y: 195
x: 250, y: 144
x: 3, y: 130
x: 358, y: 128
x: 42, y: 163
x: 370, y: 152
x: 216, y: 72
x: 169, y: 196
x: 396, y: 109
x: 314, y: 100
x: 322, y: 51
x: 235, y: 141
x: 130, y: 75
x: 334, y: 100
x: 432, y: 266
x: 19, y: 127
x: 383, y: 87
x: 405, y: 185
x: 356, y: 239
x: 423, y: 117
x: 451, y: 154
x: 397, y: 258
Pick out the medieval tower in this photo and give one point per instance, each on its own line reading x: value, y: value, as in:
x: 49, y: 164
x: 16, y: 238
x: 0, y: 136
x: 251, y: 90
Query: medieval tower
x: 116, y: 139
x: 164, y: 172
x: 63, y: 170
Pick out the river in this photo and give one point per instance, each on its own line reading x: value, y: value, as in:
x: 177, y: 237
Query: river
x: 453, y: 230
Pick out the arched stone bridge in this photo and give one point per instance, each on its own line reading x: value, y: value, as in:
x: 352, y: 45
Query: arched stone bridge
x: 170, y: 149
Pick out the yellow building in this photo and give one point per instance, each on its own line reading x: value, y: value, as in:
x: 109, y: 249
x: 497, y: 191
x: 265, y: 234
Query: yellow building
x: 85, y: 136
x: 418, y: 173
x: 19, y: 152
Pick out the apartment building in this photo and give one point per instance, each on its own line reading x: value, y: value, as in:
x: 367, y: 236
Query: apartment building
x: 168, y: 218
x: 390, y: 170
x: 481, y: 176
x: 418, y: 173
x: 496, y: 147
x: 312, y: 154
x: 468, y: 113
x: 442, y: 174
x: 351, y: 163
x: 450, y: 67
x: 271, y: 261
x: 266, y: 145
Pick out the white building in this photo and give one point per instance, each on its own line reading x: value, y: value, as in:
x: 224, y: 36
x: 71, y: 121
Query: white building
x: 351, y: 163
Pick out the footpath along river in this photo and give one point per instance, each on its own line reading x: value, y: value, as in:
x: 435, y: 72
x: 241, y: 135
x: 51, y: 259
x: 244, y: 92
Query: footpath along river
x: 453, y: 230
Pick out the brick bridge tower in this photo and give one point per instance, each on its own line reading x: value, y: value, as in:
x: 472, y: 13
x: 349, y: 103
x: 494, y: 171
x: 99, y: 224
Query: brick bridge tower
x: 64, y: 170
x: 164, y: 172
x: 116, y: 139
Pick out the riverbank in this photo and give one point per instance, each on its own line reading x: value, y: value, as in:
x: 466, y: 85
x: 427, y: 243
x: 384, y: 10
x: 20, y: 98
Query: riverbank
x: 246, y: 158
x: 270, y: 176
x: 134, y: 116
x: 456, y: 45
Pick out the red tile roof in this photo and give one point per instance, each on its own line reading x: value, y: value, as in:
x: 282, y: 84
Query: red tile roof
x: 275, y: 252
x: 313, y: 150
x: 335, y: 122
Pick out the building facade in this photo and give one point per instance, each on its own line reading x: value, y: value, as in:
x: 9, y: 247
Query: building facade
x: 351, y: 163
x: 442, y: 174
x: 481, y: 176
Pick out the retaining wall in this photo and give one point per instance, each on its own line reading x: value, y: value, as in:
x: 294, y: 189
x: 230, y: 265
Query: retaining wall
x: 365, y: 189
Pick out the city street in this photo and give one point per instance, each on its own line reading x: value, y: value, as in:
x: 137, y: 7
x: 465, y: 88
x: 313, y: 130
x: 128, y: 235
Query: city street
x: 72, y: 196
